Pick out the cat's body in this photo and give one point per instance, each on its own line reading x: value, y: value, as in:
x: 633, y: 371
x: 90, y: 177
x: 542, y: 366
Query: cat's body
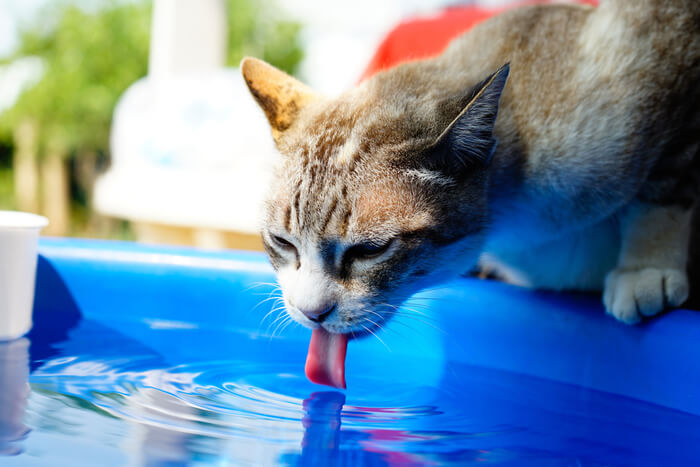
x: 605, y: 94
x: 591, y: 185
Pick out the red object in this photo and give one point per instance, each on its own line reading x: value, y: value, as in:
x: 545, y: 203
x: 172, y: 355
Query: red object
x: 418, y: 38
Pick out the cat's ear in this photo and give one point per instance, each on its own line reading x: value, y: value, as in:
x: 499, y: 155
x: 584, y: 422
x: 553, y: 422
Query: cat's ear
x: 468, y: 140
x: 278, y: 94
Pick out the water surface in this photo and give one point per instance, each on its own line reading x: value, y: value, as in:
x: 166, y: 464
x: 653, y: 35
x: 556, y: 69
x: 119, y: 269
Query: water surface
x: 95, y: 396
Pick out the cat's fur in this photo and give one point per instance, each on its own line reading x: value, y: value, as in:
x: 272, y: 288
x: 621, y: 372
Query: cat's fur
x: 591, y: 184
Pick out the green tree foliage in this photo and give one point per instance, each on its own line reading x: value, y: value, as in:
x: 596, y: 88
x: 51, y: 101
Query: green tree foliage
x: 90, y: 57
x: 256, y: 29
x: 92, y: 51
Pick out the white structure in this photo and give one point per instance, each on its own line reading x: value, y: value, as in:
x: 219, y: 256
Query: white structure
x: 191, y: 152
x: 187, y: 36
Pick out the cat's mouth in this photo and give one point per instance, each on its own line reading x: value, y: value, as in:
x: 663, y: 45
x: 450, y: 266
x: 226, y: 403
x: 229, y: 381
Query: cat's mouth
x: 325, y: 361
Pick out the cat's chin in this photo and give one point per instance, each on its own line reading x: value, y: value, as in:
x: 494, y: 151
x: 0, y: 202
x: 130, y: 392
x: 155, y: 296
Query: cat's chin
x: 363, y: 325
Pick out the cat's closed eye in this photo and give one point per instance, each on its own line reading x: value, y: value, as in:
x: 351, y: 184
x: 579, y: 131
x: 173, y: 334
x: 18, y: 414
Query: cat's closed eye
x: 365, y: 251
x: 283, y: 244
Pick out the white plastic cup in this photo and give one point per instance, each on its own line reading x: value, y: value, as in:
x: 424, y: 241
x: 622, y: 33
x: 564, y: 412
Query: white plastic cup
x: 19, y: 241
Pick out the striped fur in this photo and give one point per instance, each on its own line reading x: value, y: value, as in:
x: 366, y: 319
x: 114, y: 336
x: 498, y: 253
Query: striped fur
x: 553, y: 178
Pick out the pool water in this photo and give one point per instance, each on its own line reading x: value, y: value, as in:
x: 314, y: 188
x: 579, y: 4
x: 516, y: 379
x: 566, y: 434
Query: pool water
x: 99, y: 395
x: 142, y: 356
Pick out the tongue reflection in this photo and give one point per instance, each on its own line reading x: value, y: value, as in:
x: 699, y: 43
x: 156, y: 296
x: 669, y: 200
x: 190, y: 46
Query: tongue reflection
x: 325, y: 363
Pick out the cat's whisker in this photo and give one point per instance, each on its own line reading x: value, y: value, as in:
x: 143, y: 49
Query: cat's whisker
x: 407, y: 305
x: 396, y: 331
x: 281, y: 316
x: 278, y: 309
x: 272, y: 295
x: 403, y: 308
x: 275, y: 308
x: 411, y: 314
x: 427, y: 300
x: 375, y: 335
x: 427, y: 323
x: 257, y: 285
x: 373, y: 323
x: 375, y: 314
x: 289, y: 321
x: 265, y: 301
x: 405, y: 325
x: 286, y: 319
x: 277, y: 297
x: 383, y: 328
x: 261, y: 283
x: 417, y: 312
x: 275, y: 290
x: 389, y: 328
x: 414, y: 318
x: 281, y: 325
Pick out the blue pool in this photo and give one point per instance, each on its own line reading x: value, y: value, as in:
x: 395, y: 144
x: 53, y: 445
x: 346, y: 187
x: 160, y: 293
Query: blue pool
x: 159, y: 356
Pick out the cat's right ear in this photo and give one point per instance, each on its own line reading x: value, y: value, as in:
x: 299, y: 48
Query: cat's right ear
x: 468, y: 140
x: 279, y: 95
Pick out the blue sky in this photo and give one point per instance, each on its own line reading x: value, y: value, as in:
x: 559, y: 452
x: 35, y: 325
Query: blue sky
x: 12, y: 13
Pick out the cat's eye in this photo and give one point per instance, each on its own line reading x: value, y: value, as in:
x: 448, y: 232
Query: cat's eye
x: 283, y: 243
x: 365, y: 251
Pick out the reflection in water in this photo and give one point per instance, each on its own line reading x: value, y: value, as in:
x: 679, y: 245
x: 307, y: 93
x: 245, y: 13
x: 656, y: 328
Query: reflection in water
x: 321, y: 424
x: 321, y: 420
x: 14, y: 390
x: 154, y: 445
x: 325, y: 443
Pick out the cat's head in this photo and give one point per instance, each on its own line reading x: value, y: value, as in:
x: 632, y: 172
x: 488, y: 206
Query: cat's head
x: 378, y: 191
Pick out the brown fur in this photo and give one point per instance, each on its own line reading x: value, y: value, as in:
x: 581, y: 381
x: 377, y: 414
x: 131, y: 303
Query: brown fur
x: 601, y: 113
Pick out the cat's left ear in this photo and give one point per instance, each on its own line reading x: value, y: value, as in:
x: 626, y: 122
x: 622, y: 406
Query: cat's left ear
x: 279, y: 95
x: 469, y: 140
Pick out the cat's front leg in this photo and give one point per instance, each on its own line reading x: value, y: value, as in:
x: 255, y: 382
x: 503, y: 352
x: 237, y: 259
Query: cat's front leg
x: 651, y: 270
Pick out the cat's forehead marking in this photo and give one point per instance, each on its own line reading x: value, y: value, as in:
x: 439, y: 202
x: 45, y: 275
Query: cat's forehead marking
x: 390, y: 206
x: 317, y: 204
x: 287, y: 217
x: 328, y: 215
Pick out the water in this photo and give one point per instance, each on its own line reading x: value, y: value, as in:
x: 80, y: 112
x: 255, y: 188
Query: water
x: 95, y: 396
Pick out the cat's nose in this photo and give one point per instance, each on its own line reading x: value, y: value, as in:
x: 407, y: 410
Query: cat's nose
x: 319, y: 315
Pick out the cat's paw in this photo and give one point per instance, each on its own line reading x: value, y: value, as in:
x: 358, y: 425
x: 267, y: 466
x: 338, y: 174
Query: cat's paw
x: 631, y: 294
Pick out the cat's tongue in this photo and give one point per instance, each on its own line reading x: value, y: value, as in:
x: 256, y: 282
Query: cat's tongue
x: 325, y: 363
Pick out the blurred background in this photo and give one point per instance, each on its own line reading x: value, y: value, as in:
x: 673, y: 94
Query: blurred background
x: 127, y: 119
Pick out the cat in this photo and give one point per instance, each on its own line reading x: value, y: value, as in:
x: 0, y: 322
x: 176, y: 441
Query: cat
x: 556, y: 145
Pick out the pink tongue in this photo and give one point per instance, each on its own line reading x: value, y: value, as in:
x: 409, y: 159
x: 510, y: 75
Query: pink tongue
x: 325, y: 363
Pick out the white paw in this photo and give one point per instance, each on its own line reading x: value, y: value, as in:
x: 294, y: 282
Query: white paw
x: 631, y: 294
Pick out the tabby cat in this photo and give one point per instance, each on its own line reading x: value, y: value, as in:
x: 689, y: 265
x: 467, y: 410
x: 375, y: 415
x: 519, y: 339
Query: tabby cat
x: 555, y: 145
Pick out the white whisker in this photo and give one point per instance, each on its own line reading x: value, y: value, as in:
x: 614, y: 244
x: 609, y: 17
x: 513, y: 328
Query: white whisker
x: 281, y: 316
x: 276, y: 307
x: 267, y: 300
x: 375, y: 335
x: 289, y: 321
x: 256, y: 285
x: 284, y: 320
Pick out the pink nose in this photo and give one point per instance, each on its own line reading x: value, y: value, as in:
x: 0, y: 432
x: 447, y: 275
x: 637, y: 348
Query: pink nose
x: 319, y: 314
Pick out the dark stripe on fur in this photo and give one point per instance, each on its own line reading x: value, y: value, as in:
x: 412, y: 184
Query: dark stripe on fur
x: 329, y: 215
x: 287, y: 217
x: 297, y: 213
